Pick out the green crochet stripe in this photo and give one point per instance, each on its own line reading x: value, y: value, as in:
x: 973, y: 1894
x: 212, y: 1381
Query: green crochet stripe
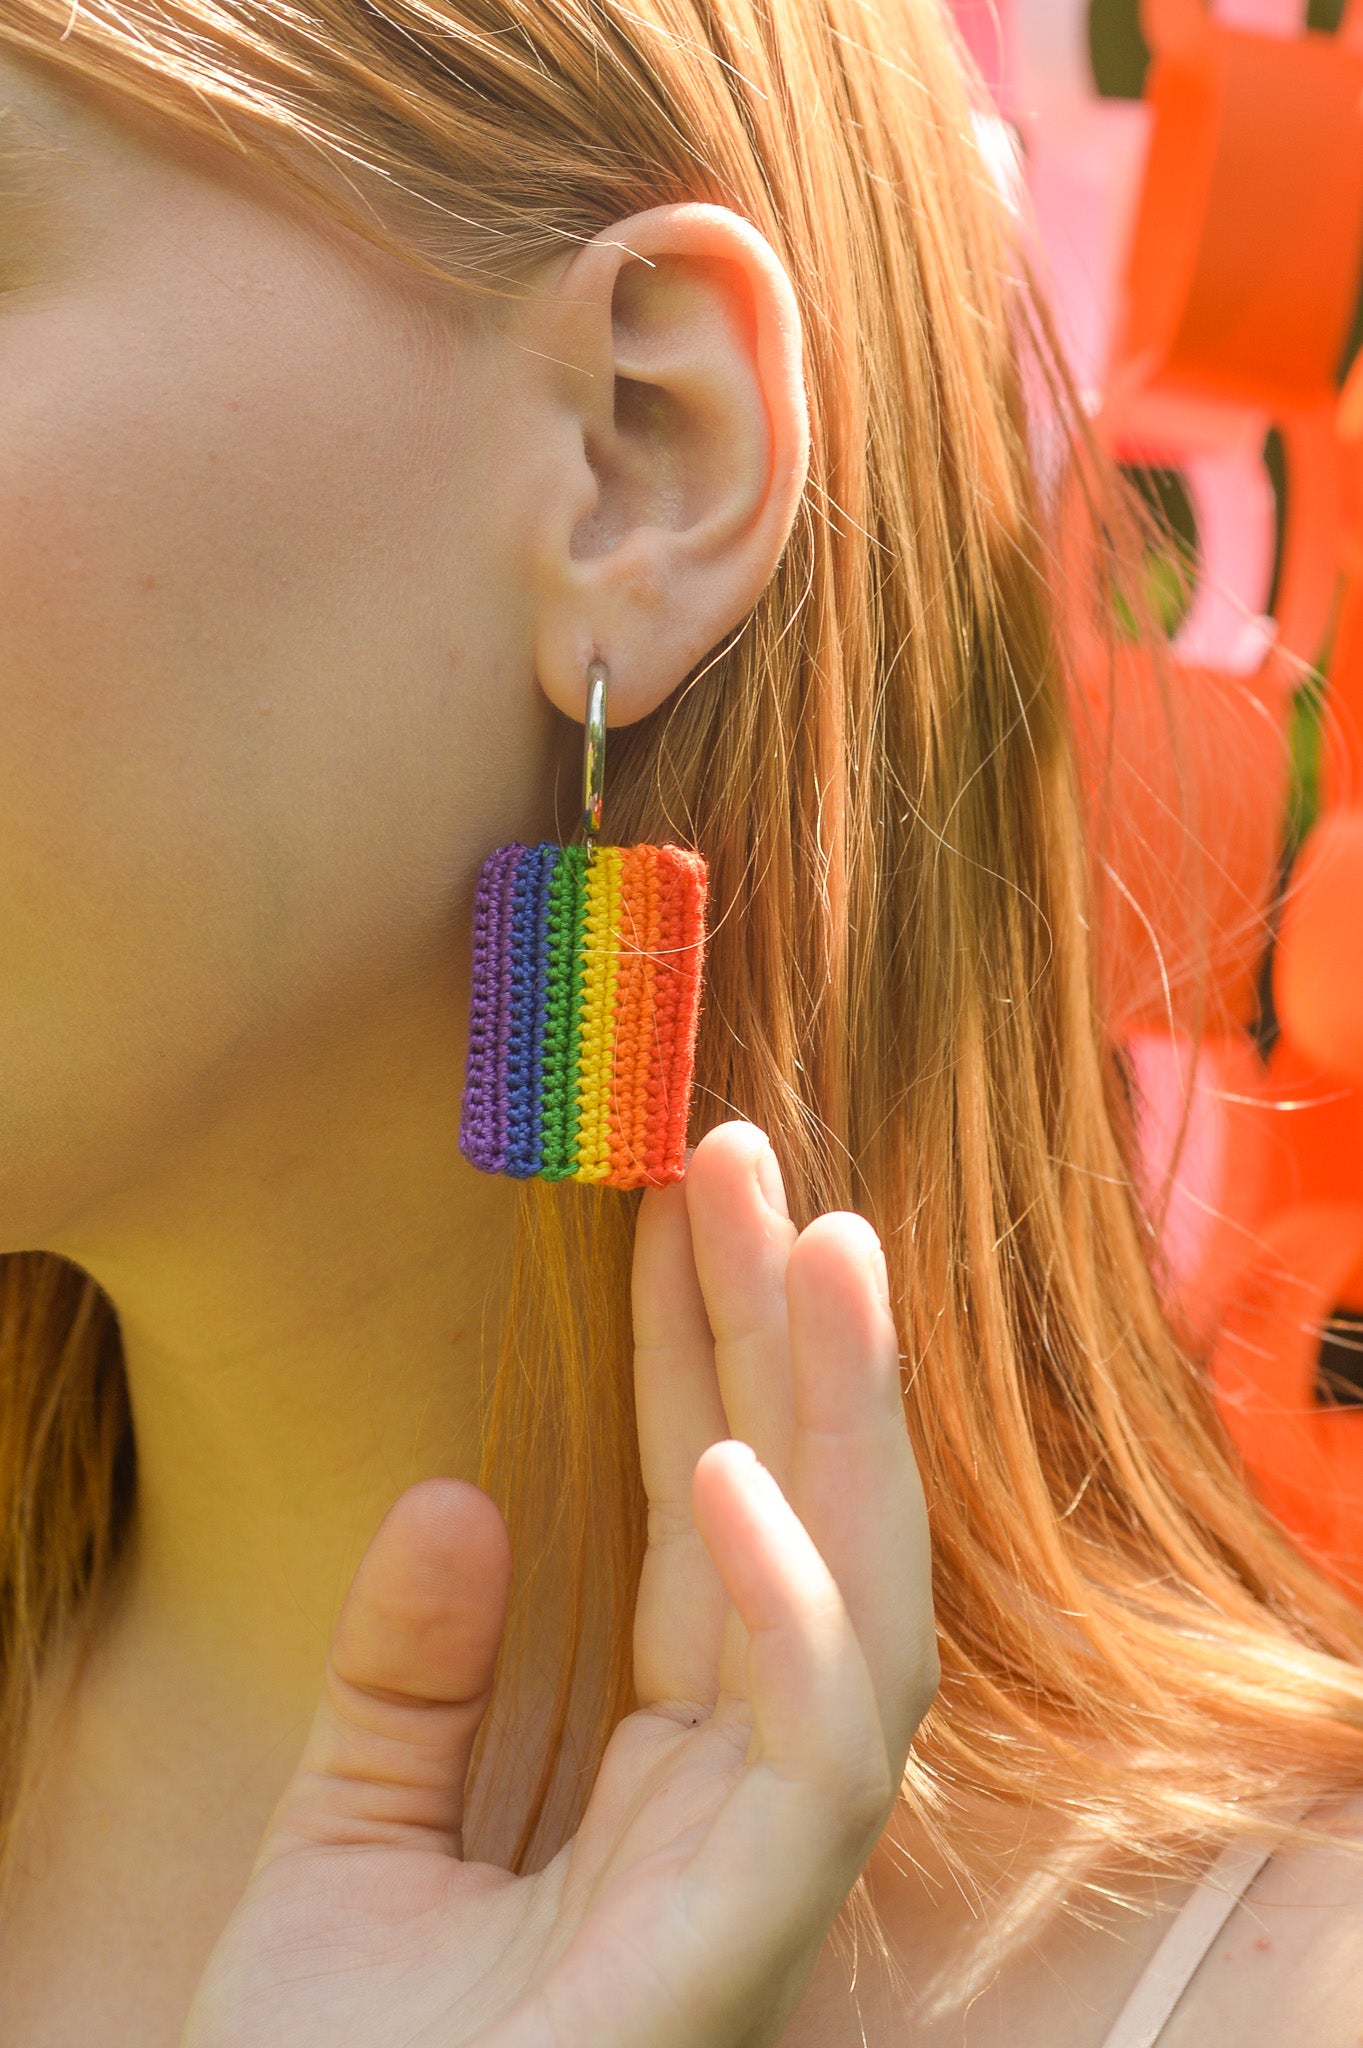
x: 562, y: 1015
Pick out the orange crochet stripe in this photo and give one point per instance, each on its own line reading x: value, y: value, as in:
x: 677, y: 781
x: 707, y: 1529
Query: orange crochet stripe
x: 627, y: 1020
x: 633, y: 1016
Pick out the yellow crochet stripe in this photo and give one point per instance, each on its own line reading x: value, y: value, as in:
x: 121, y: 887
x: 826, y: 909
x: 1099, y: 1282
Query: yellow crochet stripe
x: 596, y: 1043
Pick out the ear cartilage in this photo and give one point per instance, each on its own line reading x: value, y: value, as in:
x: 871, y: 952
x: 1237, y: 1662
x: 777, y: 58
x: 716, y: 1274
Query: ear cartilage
x: 582, y: 1027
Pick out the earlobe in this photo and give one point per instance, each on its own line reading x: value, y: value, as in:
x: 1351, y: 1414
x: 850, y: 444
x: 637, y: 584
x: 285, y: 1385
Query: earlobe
x: 686, y: 388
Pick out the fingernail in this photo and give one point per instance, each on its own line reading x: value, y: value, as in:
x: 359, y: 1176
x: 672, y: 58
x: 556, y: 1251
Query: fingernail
x: 880, y: 1272
x: 769, y: 1181
x: 758, y: 1474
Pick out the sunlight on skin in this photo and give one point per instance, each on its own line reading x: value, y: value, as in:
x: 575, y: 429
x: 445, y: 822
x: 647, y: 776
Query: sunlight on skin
x: 295, y: 575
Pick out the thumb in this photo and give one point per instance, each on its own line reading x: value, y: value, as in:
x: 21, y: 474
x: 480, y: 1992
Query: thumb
x: 408, y: 1679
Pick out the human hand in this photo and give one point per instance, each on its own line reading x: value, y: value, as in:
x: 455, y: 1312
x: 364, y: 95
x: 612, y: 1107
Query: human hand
x: 784, y: 1655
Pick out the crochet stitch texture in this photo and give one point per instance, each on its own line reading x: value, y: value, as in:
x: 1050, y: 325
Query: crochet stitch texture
x: 585, y: 1000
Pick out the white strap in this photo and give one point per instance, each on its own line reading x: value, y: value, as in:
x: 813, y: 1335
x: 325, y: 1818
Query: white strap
x: 1173, y: 1966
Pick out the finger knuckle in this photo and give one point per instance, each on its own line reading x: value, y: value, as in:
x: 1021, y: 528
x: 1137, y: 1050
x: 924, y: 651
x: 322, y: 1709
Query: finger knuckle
x: 868, y: 1794
x: 669, y: 1522
x: 924, y: 1682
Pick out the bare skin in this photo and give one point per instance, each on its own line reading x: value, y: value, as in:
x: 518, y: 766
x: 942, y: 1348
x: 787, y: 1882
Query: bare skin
x: 294, y: 576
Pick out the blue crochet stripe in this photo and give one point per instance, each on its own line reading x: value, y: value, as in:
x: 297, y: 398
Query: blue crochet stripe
x: 527, y: 962
x: 546, y: 858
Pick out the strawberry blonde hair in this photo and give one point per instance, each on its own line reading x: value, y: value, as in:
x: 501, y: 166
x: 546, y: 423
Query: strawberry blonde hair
x: 880, y: 766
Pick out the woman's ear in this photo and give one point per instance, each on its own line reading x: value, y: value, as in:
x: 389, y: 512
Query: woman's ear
x: 672, y: 344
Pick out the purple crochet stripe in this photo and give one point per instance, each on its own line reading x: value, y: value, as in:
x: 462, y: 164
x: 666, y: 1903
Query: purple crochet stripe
x: 482, y: 1133
x: 502, y: 970
x: 473, y: 1130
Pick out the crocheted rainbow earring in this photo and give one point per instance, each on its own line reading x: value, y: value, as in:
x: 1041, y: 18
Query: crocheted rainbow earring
x: 586, y: 990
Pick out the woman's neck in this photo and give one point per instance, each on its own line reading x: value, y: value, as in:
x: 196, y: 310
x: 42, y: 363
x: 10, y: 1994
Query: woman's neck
x: 305, y: 1276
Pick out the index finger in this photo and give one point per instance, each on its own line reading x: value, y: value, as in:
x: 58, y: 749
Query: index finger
x: 679, y: 1618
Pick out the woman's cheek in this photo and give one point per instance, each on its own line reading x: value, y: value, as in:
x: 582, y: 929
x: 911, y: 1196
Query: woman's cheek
x: 260, y: 675
x: 144, y: 881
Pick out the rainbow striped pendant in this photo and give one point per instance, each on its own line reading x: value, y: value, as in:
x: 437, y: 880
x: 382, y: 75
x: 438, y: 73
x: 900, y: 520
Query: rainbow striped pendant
x: 582, y: 1025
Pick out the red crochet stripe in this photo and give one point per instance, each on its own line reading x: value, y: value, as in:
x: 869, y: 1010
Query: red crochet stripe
x: 678, y: 957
